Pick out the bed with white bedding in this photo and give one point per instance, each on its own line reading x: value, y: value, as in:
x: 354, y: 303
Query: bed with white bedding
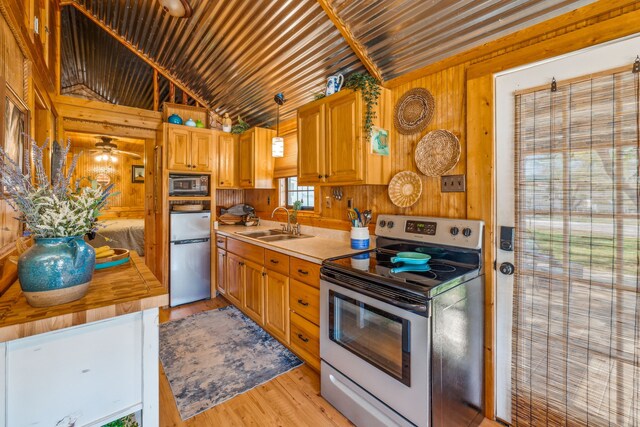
x: 126, y: 233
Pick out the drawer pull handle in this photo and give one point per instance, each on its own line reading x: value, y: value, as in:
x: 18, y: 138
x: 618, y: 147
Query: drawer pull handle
x: 274, y: 261
x: 264, y: 274
x: 303, y: 303
x: 303, y: 338
x: 220, y: 241
x: 301, y: 271
x: 241, y: 263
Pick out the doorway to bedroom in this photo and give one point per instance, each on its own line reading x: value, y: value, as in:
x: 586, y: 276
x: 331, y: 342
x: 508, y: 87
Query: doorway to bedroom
x: 120, y: 161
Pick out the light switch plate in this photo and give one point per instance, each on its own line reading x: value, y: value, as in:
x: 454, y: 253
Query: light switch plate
x: 453, y: 184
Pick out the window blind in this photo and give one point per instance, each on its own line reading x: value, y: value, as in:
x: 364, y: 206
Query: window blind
x: 576, y: 316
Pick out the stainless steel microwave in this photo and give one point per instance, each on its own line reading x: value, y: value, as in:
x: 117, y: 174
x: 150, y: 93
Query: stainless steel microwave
x: 188, y: 185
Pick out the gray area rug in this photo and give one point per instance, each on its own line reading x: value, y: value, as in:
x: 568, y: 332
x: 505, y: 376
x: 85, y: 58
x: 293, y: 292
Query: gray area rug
x: 213, y: 356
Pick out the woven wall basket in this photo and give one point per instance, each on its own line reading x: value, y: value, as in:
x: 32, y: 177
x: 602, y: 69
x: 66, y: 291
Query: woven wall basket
x: 414, y: 111
x: 405, y: 189
x: 437, y: 152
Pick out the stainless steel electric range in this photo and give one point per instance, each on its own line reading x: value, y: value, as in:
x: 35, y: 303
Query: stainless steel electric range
x: 400, y: 346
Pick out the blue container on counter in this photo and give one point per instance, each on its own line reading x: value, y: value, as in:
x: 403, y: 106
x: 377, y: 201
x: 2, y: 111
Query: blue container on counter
x: 359, y: 238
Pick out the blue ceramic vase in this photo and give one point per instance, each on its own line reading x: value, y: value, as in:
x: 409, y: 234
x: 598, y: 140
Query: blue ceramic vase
x: 56, y: 270
x: 175, y: 119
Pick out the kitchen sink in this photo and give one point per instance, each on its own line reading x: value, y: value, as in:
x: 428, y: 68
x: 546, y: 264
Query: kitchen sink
x: 277, y: 238
x: 272, y: 235
x: 259, y: 234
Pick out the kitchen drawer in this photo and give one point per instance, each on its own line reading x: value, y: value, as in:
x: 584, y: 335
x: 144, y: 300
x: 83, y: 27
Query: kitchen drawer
x: 221, y: 241
x: 305, y: 340
x: 305, y: 300
x: 246, y: 250
x: 305, y: 271
x: 276, y: 261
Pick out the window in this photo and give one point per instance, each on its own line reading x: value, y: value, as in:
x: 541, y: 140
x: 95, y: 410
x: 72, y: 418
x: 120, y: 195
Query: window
x: 291, y: 192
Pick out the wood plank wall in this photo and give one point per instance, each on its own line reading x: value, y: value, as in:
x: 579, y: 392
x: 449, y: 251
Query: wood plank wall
x: 12, y: 73
x: 129, y: 200
x: 449, y: 90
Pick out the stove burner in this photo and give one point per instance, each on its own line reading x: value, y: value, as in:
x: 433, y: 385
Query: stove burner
x: 442, y: 268
x: 427, y: 274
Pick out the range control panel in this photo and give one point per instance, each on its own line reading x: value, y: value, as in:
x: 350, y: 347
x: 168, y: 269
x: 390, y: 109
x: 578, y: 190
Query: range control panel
x: 462, y: 233
x: 421, y: 227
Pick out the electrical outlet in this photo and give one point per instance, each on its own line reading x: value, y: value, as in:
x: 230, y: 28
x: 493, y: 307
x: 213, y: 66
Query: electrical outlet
x: 349, y: 203
x: 453, y: 184
x: 327, y: 202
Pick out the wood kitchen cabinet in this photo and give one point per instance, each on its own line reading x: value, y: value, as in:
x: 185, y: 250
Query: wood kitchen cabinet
x: 332, y: 148
x: 311, y: 151
x: 254, y: 278
x: 227, y: 161
x: 276, y: 305
x: 279, y: 292
x: 189, y: 150
x: 235, y: 280
x: 255, y: 163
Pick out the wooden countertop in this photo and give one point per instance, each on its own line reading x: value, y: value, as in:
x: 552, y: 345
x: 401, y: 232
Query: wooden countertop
x: 313, y: 249
x: 115, y: 291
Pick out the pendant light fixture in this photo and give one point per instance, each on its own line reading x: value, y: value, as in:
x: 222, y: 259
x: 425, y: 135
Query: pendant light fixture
x: 277, y: 142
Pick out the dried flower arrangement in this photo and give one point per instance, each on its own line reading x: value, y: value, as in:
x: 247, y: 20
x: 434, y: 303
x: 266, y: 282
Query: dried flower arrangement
x: 58, y: 209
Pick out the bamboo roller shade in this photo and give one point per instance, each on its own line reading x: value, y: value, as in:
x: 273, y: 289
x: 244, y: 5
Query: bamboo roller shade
x: 576, y: 312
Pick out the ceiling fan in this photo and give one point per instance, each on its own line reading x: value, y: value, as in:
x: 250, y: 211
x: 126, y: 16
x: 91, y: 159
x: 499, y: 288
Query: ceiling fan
x: 107, y: 150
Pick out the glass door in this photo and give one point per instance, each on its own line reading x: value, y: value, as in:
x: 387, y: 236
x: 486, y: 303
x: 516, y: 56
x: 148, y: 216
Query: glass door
x: 377, y: 337
x: 568, y: 298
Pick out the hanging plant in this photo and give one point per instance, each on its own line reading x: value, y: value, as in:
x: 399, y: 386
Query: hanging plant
x: 369, y: 86
x: 240, y: 127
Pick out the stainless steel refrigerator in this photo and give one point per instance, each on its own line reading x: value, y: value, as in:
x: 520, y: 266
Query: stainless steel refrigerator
x: 190, y: 257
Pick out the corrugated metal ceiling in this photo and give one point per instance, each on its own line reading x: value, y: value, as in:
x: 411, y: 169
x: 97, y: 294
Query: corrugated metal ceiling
x: 93, y: 59
x: 239, y: 54
x: 404, y: 35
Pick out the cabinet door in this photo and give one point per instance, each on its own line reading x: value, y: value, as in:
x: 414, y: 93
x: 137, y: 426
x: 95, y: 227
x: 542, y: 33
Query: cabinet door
x: 235, y: 279
x: 276, y: 305
x: 201, y: 150
x: 226, y: 161
x: 178, y: 149
x: 246, y: 151
x: 344, y: 142
x: 311, y: 144
x: 254, y: 291
x: 221, y: 270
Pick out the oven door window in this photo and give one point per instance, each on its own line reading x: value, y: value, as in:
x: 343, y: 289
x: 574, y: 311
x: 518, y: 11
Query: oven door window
x: 376, y: 336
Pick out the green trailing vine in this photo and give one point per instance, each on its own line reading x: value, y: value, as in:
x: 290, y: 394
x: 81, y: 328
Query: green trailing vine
x: 369, y: 86
x: 240, y: 127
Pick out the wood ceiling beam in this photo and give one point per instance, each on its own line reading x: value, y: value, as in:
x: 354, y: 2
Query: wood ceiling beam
x: 356, y: 46
x: 161, y: 70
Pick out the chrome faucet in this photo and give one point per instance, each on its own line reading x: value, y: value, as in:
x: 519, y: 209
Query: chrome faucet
x: 288, y: 226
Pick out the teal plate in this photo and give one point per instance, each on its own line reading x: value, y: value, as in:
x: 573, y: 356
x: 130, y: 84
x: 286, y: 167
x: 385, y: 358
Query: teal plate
x: 112, y: 263
x: 411, y: 258
x: 411, y: 268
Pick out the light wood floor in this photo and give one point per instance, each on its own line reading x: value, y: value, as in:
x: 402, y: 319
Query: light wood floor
x: 292, y: 399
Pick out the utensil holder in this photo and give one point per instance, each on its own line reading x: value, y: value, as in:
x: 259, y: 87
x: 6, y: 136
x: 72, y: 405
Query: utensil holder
x: 359, y: 238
